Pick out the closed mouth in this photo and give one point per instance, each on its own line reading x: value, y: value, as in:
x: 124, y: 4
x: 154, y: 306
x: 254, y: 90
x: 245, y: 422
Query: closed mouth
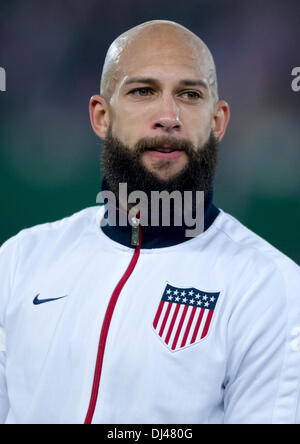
x: 164, y: 149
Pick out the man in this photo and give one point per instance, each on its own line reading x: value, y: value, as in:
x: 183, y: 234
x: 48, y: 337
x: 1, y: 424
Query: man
x: 132, y: 323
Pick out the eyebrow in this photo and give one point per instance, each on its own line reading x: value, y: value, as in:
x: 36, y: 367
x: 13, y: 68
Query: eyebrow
x: 188, y: 82
x: 152, y: 81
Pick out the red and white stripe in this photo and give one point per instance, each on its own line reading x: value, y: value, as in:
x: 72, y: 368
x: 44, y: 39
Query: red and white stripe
x: 181, y: 325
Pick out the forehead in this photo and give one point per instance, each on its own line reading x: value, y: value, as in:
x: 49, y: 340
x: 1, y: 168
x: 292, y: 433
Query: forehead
x: 162, y: 65
x: 161, y: 50
x: 164, y: 57
x: 165, y: 49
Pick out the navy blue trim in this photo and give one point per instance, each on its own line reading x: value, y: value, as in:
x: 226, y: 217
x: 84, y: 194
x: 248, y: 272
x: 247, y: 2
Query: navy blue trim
x: 158, y: 237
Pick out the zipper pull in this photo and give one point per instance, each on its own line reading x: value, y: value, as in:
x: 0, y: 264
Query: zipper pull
x: 135, y: 235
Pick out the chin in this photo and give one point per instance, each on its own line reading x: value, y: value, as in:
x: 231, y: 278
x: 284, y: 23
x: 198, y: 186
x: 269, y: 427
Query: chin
x: 164, y: 176
x: 163, y: 171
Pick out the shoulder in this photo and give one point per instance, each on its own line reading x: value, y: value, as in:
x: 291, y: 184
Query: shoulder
x: 70, y: 227
x: 263, y: 265
x: 238, y: 236
x: 26, y: 251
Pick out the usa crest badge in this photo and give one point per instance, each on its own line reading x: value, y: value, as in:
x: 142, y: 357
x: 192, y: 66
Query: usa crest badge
x: 184, y: 316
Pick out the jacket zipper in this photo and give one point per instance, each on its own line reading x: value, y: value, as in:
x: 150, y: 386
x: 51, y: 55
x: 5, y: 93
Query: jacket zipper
x: 107, y: 320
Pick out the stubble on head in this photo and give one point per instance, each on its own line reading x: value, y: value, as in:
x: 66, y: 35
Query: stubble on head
x: 125, y: 45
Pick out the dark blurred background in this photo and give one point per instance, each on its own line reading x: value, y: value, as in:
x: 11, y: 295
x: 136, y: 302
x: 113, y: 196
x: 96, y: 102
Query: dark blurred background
x: 53, y: 54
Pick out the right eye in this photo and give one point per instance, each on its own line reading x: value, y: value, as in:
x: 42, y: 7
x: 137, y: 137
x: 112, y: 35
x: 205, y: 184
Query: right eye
x: 142, y: 92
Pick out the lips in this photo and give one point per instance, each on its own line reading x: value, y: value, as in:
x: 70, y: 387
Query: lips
x: 165, y: 152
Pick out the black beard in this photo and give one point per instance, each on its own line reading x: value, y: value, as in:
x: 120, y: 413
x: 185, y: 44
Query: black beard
x: 122, y: 164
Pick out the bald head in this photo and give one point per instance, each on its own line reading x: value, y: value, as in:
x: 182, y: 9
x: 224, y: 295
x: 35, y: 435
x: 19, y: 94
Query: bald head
x: 156, y: 36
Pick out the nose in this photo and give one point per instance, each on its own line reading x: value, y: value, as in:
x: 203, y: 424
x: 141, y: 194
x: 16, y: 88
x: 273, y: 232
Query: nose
x: 167, y: 117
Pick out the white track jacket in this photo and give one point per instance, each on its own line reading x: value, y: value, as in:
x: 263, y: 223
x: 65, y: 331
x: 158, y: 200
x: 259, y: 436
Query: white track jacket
x: 92, y: 331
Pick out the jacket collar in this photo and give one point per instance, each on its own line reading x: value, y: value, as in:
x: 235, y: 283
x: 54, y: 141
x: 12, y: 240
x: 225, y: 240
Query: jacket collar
x: 160, y: 236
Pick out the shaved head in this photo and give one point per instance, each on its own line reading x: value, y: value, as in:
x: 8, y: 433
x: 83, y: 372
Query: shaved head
x: 155, y: 35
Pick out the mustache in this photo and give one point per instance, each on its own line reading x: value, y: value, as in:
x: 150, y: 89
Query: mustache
x: 149, y: 143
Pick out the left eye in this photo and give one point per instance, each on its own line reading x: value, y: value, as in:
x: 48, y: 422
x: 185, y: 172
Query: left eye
x: 193, y: 95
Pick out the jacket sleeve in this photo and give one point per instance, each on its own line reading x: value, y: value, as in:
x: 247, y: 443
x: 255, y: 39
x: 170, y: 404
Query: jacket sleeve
x: 7, y: 265
x: 3, y: 388
x: 263, y: 380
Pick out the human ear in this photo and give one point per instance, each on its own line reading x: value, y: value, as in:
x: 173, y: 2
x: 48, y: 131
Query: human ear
x: 99, y: 115
x: 220, y: 119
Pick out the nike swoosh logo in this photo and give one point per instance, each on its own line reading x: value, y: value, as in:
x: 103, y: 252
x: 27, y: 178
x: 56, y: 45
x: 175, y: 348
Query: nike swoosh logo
x: 37, y: 301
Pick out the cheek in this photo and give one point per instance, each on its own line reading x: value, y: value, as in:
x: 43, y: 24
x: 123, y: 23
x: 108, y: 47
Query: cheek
x: 199, y: 128
x: 119, y: 124
x: 128, y: 127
